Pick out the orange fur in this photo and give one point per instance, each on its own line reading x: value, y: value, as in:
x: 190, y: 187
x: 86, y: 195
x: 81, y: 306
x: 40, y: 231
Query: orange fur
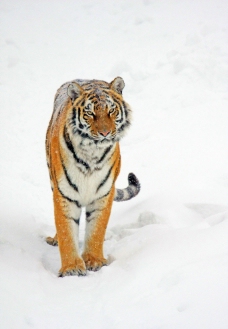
x: 83, y: 157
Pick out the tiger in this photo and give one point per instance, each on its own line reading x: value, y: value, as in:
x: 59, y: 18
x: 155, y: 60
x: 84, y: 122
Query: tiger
x: 83, y: 157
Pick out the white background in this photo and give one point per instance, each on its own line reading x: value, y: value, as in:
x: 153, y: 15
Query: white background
x: 167, y: 248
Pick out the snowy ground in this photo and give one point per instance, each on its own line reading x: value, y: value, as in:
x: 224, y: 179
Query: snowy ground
x: 168, y: 247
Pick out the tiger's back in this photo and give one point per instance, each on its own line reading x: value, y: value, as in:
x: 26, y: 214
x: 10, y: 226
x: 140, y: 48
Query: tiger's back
x: 83, y: 157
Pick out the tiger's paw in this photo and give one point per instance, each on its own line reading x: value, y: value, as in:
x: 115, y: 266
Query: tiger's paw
x: 93, y: 263
x: 52, y: 241
x: 78, y: 269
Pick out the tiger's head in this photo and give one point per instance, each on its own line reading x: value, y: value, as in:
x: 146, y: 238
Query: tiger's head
x: 98, y: 111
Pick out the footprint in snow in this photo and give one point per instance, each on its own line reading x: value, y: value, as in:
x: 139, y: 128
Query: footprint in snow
x: 121, y: 231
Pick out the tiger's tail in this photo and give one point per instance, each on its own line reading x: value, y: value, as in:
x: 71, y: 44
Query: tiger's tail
x: 129, y: 192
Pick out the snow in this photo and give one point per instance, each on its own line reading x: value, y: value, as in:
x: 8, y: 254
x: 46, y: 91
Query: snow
x: 167, y: 248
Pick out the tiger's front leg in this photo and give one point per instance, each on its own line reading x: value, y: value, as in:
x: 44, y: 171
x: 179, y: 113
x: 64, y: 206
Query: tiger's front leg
x: 67, y: 216
x: 97, y: 216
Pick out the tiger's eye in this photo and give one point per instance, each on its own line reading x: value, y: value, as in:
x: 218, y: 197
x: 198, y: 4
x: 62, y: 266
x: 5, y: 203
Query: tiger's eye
x: 89, y: 113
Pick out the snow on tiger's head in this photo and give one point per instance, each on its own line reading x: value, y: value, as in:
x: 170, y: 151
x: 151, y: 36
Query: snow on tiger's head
x: 98, y: 110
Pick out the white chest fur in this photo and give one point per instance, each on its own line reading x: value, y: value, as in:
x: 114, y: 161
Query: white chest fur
x: 85, y: 170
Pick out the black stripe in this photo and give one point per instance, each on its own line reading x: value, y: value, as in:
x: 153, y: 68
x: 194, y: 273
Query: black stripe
x: 106, y: 91
x: 84, y: 135
x: 121, y: 110
x: 125, y: 125
x: 74, y: 116
x: 88, y: 213
x: 120, y: 195
x: 75, y: 220
x: 106, y: 178
x: 79, y: 119
x: 64, y: 196
x: 130, y: 192
x: 69, y: 199
x: 68, y: 177
x: 103, y: 196
x: 67, y: 140
x: 71, y: 148
x: 104, y: 154
x: 125, y: 109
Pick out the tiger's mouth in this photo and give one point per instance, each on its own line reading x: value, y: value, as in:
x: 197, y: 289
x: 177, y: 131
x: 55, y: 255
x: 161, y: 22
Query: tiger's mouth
x: 105, y: 139
x: 96, y: 138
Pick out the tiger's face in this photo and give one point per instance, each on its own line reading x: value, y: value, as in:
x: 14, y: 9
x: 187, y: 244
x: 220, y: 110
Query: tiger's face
x: 99, y: 114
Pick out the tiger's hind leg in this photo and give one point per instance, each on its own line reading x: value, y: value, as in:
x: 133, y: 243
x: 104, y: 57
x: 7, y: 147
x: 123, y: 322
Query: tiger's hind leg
x: 52, y: 241
x: 97, y: 216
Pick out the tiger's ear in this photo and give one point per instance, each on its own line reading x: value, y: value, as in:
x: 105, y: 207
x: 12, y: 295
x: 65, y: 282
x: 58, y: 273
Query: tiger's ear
x: 117, y: 85
x: 74, y: 91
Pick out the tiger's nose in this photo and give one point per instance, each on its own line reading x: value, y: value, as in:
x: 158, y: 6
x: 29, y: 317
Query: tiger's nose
x: 104, y: 132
